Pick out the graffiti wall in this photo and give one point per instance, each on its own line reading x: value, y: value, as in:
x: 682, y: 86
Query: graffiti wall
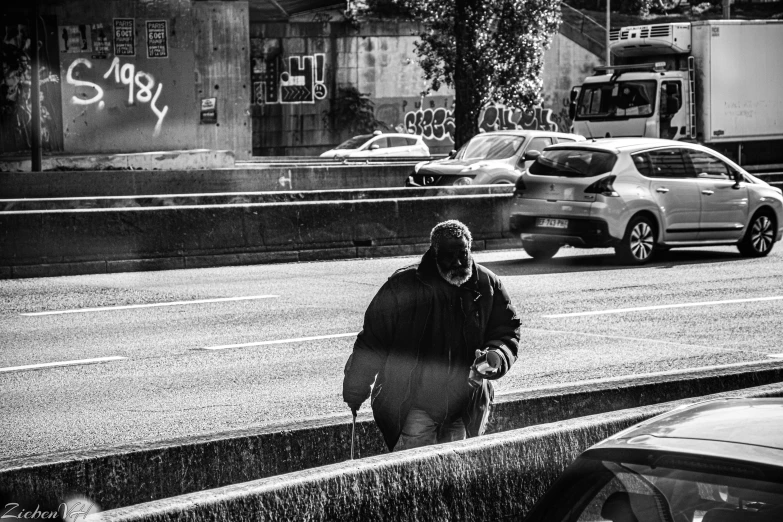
x: 124, y: 83
x: 297, y: 68
x: 16, y: 85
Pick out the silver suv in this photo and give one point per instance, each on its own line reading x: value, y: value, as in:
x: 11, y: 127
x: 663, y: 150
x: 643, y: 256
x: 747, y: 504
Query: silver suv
x: 641, y: 195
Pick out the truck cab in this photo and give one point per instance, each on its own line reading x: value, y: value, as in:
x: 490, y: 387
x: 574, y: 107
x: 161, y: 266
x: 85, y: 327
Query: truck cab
x: 642, y: 100
x: 647, y: 94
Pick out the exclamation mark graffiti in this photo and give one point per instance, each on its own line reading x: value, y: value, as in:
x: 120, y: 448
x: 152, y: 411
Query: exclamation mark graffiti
x: 320, y: 76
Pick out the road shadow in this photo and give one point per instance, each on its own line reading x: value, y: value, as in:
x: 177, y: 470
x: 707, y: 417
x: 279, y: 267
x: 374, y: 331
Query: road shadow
x: 565, y: 262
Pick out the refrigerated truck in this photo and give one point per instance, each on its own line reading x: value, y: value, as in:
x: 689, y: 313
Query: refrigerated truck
x: 716, y: 82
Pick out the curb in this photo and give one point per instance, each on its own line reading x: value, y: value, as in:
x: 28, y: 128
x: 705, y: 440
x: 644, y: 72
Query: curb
x: 143, y: 472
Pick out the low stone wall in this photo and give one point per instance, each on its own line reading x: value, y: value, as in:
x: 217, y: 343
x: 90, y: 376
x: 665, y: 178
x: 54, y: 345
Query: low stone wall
x: 490, y: 478
x: 101, y: 240
x: 128, y: 475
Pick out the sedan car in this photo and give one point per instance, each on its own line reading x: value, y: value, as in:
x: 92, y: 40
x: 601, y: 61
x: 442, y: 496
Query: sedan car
x: 489, y: 158
x: 380, y: 144
x: 714, y: 461
x: 642, y: 195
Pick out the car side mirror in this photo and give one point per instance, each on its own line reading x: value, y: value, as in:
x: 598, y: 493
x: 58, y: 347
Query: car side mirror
x: 374, y: 147
x: 452, y: 154
x: 738, y: 178
x: 532, y: 155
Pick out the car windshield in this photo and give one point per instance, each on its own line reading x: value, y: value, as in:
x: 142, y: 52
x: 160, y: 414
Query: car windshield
x: 616, y: 100
x: 580, y: 163
x: 490, y: 147
x: 355, y: 142
x: 676, y: 488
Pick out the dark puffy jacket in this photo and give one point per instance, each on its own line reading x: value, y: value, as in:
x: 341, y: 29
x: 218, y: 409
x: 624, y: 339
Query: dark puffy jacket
x: 395, y: 321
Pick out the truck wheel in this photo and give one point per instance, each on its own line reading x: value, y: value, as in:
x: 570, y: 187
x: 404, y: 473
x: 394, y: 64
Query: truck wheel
x: 759, y: 237
x: 638, y: 244
x: 540, y: 251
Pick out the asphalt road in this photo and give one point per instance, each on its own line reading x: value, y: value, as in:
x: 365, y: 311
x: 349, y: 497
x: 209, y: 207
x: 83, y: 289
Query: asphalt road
x: 174, y: 369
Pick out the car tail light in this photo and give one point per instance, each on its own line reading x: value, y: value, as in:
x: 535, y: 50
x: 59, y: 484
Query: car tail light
x: 603, y: 186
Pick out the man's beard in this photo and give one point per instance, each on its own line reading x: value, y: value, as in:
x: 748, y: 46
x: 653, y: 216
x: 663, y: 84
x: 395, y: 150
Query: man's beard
x: 456, y: 276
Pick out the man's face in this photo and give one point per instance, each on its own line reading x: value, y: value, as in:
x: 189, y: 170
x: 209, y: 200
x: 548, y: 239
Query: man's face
x: 454, y: 260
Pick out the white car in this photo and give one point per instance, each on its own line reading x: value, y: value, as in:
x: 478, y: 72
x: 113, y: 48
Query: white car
x: 714, y: 461
x: 642, y: 195
x: 489, y: 158
x: 380, y: 144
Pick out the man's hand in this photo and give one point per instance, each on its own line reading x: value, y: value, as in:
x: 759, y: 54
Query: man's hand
x: 487, y: 362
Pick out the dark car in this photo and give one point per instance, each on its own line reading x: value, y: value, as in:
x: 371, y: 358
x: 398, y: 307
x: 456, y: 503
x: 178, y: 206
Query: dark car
x: 714, y: 461
x: 489, y: 158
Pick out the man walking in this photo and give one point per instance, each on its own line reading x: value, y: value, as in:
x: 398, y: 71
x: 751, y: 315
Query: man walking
x: 433, y: 336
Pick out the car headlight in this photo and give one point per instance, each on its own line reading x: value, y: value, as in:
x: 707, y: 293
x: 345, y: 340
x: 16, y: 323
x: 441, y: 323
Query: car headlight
x: 459, y: 182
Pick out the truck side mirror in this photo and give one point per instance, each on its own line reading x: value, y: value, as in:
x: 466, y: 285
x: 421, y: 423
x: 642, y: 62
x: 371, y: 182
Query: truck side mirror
x: 572, y: 105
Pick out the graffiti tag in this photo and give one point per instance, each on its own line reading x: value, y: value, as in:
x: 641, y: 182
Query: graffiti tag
x: 438, y: 124
x: 140, y: 87
x: 432, y: 124
x: 499, y: 117
x: 303, y: 82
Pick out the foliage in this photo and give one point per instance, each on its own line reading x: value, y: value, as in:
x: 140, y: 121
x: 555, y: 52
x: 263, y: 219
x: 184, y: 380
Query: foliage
x: 494, y: 52
x: 351, y: 111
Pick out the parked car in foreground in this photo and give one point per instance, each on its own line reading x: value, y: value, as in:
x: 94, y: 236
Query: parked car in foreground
x: 642, y: 195
x: 489, y: 158
x: 714, y: 461
x: 379, y: 144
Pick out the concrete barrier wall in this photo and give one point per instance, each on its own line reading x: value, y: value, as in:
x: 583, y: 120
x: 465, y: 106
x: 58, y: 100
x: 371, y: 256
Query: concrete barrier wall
x: 69, y: 184
x: 495, y: 477
x: 154, y: 238
x: 128, y: 475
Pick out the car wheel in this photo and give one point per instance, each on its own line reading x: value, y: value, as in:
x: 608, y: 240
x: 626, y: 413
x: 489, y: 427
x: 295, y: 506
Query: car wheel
x: 760, y: 236
x: 540, y: 251
x: 638, y: 244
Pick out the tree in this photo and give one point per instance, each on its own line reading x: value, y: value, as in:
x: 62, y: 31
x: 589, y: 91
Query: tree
x: 487, y: 50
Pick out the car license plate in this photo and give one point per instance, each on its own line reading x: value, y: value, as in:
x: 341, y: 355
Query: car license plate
x: 552, y: 223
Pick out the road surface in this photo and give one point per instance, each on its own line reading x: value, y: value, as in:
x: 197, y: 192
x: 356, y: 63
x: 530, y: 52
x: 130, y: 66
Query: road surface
x: 102, y: 360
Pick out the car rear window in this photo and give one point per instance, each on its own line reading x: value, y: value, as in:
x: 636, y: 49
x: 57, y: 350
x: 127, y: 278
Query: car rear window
x: 575, y: 163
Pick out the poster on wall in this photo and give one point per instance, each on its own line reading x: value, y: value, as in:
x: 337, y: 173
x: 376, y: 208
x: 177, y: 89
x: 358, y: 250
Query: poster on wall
x: 208, y: 110
x: 101, y: 42
x: 75, y: 38
x: 157, y: 43
x: 124, y: 37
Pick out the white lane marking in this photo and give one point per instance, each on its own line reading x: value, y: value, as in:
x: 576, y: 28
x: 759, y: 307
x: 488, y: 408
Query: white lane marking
x: 281, y: 341
x: 150, y: 305
x: 61, y: 363
x: 776, y: 355
x: 623, y: 338
x: 662, y: 307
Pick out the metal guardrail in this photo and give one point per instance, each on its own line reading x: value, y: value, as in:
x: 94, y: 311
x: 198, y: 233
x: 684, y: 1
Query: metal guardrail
x: 301, y: 161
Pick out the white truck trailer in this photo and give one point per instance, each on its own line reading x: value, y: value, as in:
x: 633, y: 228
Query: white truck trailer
x: 718, y: 82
